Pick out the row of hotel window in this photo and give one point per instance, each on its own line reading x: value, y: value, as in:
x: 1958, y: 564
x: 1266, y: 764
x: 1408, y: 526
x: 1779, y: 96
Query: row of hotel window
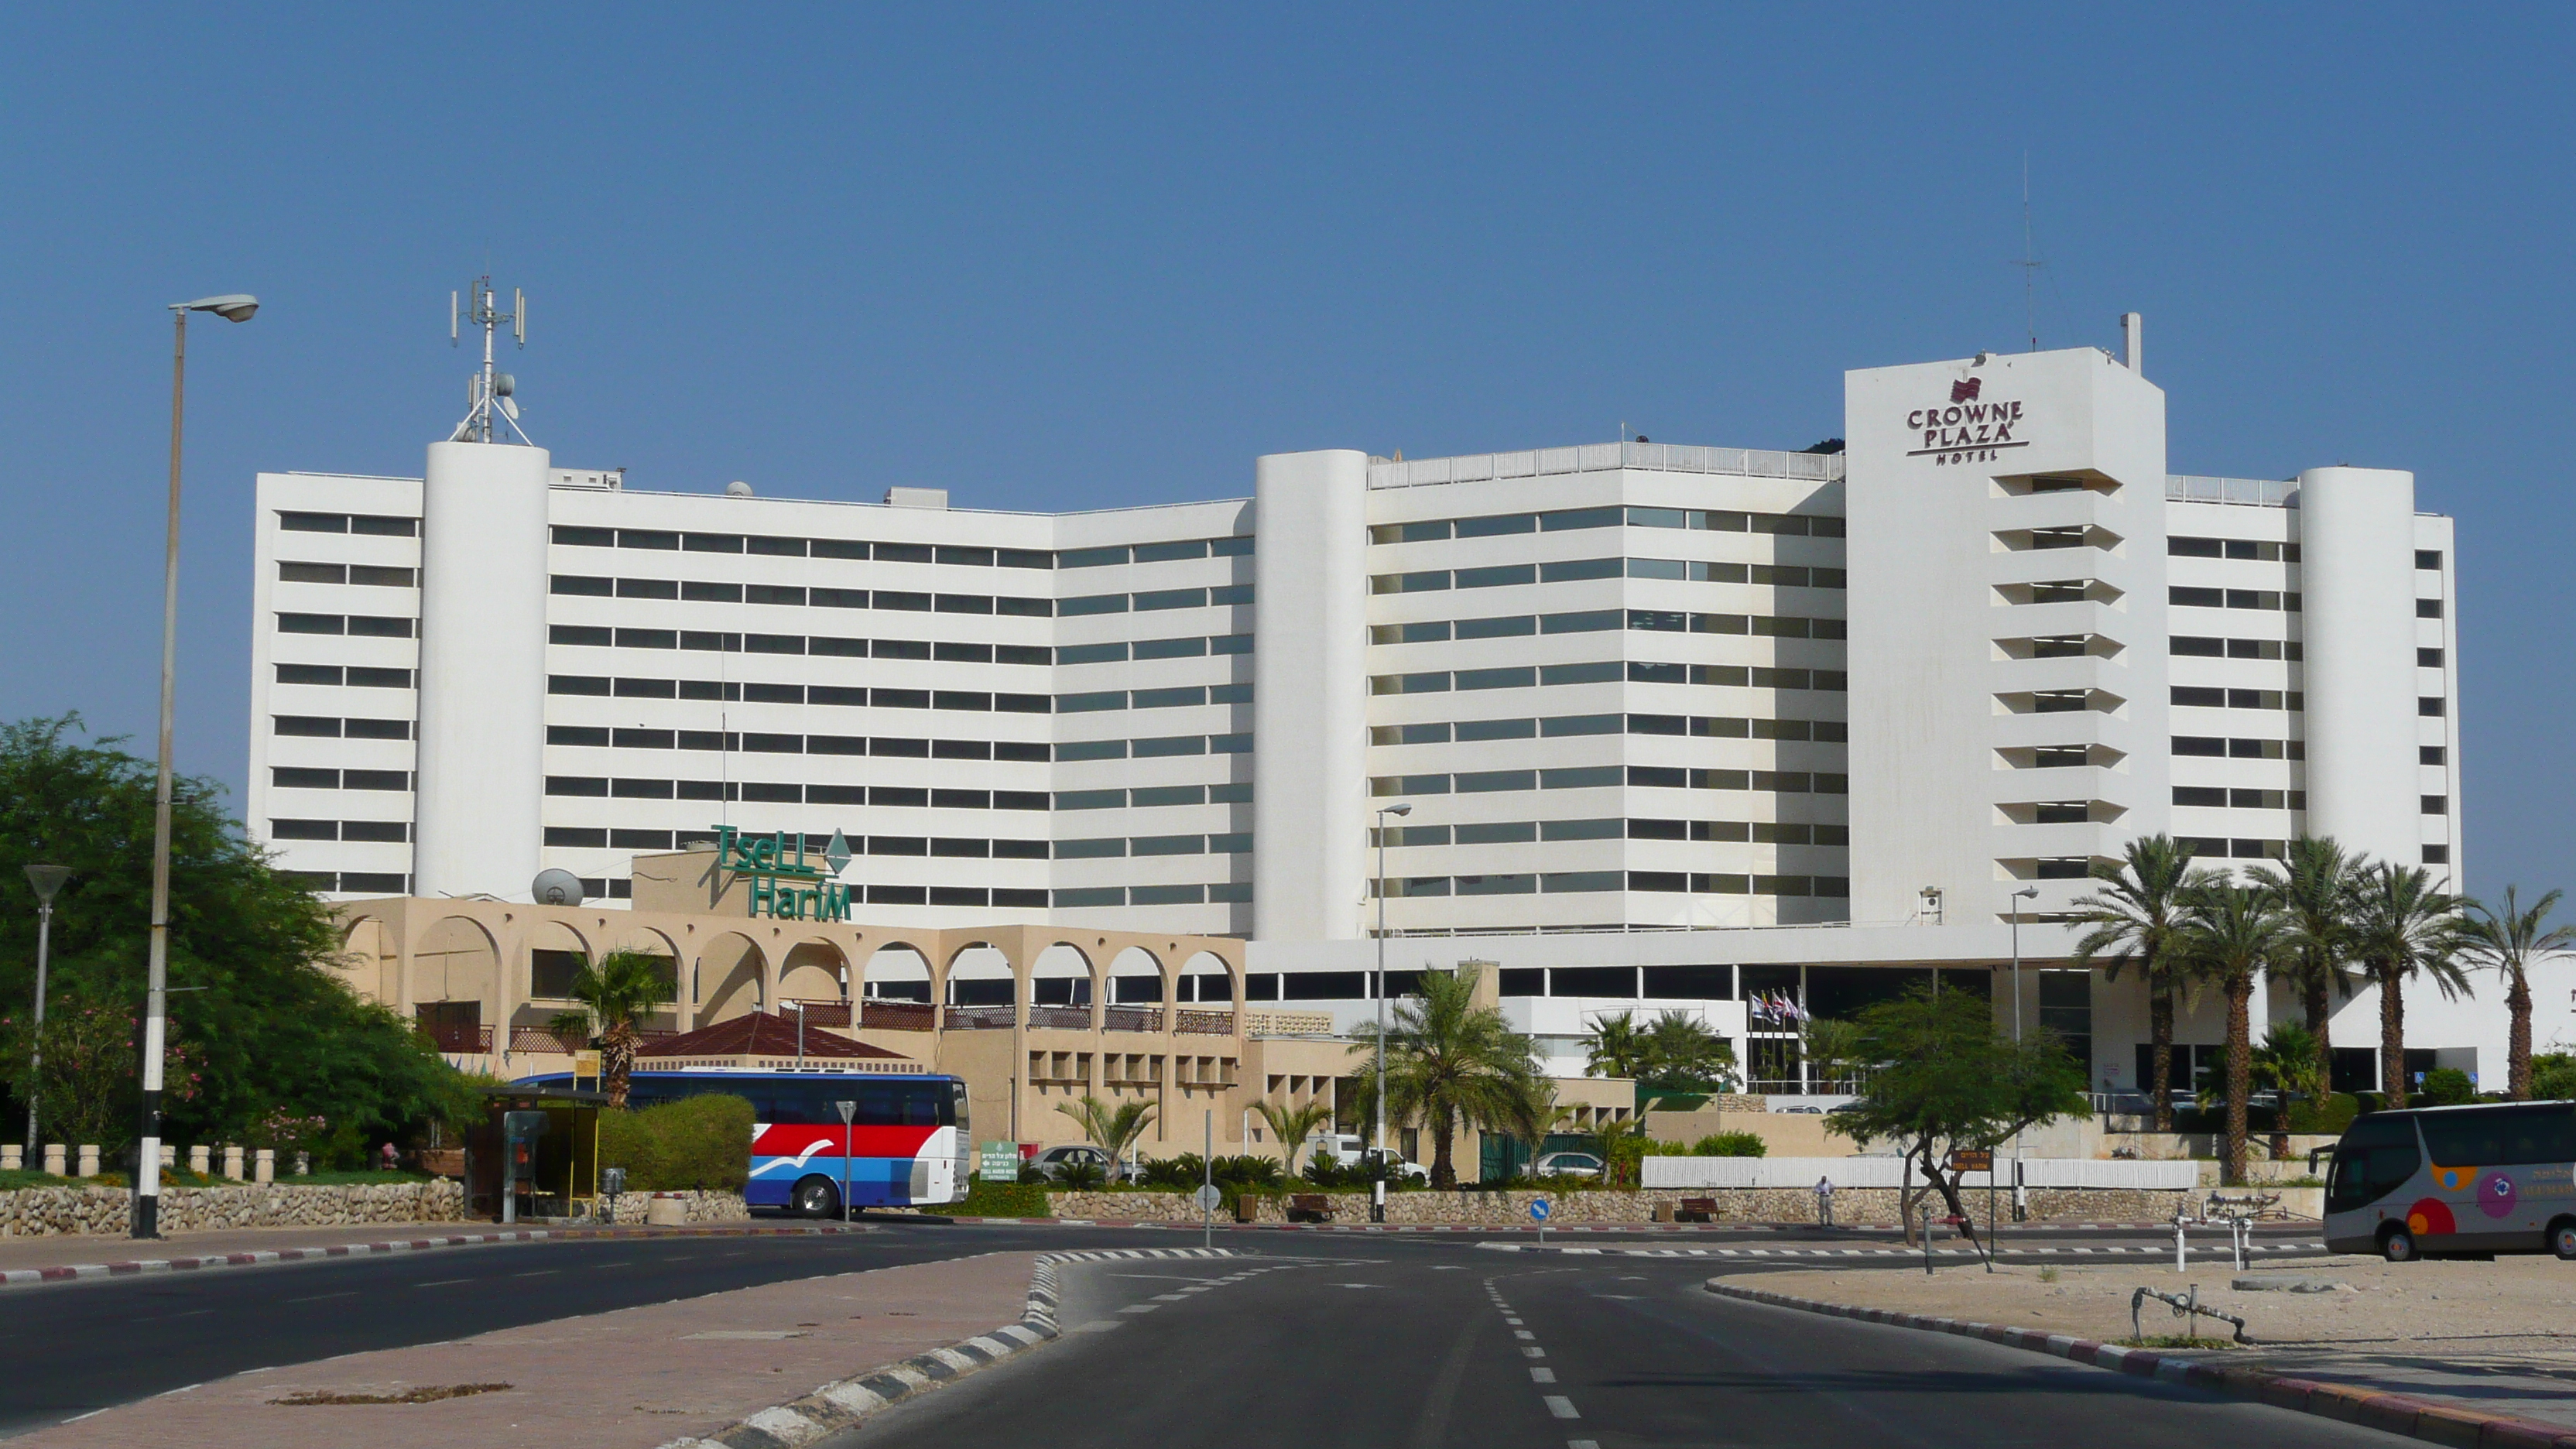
x: 1495, y: 525
x: 2190, y: 546
x: 1830, y: 731
x: 908, y: 601
x: 1522, y: 832
x: 1196, y: 646
x: 2181, y: 596
x: 941, y: 846
x: 1593, y: 671
x: 889, y: 796
x: 1593, y: 777
x: 1587, y: 621
x: 1148, y: 748
x: 1085, y: 702
x: 1564, y: 571
x: 1577, y: 881
x: 1234, y: 546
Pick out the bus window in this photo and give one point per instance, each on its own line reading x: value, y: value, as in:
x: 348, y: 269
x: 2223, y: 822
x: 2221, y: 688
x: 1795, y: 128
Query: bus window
x: 921, y: 1103
x: 2494, y: 1136
x: 957, y: 1109
x: 2374, y: 1159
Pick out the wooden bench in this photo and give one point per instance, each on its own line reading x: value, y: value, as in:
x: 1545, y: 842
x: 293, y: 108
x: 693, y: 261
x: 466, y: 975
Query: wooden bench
x: 1696, y: 1210
x: 1309, y: 1207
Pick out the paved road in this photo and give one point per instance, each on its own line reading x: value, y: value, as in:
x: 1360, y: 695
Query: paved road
x: 70, y: 1348
x: 1380, y: 1344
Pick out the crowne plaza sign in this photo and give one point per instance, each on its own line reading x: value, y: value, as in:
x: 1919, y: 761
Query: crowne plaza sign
x: 1968, y: 429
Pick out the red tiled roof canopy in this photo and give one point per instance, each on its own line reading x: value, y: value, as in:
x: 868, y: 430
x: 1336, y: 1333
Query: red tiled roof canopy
x: 766, y: 1035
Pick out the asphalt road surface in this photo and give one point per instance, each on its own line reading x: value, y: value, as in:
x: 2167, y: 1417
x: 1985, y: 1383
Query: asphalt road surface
x: 1376, y: 1345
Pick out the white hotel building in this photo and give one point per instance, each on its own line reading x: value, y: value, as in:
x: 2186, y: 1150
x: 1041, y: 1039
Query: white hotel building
x: 1676, y: 724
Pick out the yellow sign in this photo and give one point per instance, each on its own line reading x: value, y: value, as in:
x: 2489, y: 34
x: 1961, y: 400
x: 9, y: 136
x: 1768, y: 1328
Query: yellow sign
x: 585, y: 1064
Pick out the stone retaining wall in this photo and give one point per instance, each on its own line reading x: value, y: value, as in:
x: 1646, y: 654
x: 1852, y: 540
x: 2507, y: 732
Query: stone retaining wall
x: 37, y: 1212
x: 1757, y: 1205
x: 704, y: 1207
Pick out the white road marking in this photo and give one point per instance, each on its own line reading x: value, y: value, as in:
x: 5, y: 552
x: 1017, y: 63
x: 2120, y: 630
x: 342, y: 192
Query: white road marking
x: 442, y: 1282
x: 318, y: 1297
x: 1140, y: 1307
x: 1523, y: 1333
x: 1542, y: 1376
x: 1533, y: 1353
x: 1561, y: 1406
x: 1582, y: 1444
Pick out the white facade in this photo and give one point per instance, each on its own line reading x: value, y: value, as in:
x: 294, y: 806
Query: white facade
x: 1692, y: 709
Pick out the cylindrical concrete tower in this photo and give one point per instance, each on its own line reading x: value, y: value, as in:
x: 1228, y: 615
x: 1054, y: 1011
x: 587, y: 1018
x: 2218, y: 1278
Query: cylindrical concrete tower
x: 478, y: 824
x: 1310, y: 696
x: 2357, y: 570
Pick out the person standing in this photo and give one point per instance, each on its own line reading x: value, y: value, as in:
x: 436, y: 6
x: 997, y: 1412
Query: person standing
x: 1824, y: 1202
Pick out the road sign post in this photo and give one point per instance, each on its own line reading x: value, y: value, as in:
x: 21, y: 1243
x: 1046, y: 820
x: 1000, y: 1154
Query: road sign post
x: 1538, y: 1214
x: 849, y: 1111
x: 1209, y: 1197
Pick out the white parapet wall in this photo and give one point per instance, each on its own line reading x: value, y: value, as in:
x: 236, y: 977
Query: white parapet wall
x: 1888, y: 1172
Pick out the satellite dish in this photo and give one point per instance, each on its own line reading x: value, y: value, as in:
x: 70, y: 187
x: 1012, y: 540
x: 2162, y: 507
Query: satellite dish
x: 737, y: 489
x: 556, y: 888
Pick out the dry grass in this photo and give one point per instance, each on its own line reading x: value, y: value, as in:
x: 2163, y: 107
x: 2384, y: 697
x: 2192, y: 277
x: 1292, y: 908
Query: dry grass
x: 425, y: 1394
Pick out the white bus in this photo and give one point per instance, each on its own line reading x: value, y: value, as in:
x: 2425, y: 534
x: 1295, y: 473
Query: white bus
x: 2492, y: 1178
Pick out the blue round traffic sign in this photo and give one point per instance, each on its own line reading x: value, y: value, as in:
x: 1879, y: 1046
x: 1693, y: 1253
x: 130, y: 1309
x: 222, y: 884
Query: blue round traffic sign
x: 1538, y: 1209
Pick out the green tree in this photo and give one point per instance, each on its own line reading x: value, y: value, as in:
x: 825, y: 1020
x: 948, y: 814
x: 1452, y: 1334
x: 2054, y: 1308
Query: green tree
x: 2553, y: 1076
x: 2508, y: 942
x: 1448, y: 1061
x: 616, y: 993
x: 1833, y: 1051
x: 2404, y: 928
x: 2288, y: 1063
x: 1948, y: 1079
x: 2232, y: 934
x: 1292, y: 1126
x: 1111, y: 1129
x: 2315, y: 883
x: 1616, y: 1048
x: 275, y: 1028
x: 2136, y: 920
x: 1684, y: 1056
x: 1535, y: 1114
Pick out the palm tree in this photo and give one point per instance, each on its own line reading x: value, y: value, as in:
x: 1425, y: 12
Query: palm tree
x: 2287, y: 1060
x: 1292, y: 1126
x: 1683, y: 1055
x: 2315, y: 885
x: 1834, y: 1052
x: 2136, y: 919
x: 615, y: 993
x: 1111, y: 1129
x: 2404, y: 927
x: 2232, y: 934
x: 1448, y: 1061
x: 2508, y: 942
x: 1616, y: 1048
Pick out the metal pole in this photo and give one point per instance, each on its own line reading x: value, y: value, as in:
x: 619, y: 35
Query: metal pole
x: 36, y: 1055
x: 1377, y: 1188
x: 146, y: 1221
x: 1207, y: 1179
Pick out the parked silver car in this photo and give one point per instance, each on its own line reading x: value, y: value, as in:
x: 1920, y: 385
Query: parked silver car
x: 1568, y: 1164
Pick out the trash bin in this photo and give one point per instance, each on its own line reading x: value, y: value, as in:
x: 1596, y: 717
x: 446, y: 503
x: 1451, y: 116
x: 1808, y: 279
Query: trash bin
x: 1247, y: 1208
x: 667, y: 1210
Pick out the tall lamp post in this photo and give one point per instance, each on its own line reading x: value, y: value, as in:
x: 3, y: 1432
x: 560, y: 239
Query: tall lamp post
x: 2026, y: 893
x: 147, y: 1168
x: 1377, y: 1189
x: 46, y: 879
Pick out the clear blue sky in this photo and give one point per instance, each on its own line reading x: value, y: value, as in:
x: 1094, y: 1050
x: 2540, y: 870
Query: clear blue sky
x: 1058, y: 257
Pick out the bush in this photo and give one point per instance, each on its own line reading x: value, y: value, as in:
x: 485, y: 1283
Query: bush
x: 1080, y: 1174
x: 2449, y: 1087
x: 2553, y: 1076
x: 2333, y: 1115
x: 1731, y: 1144
x: 1001, y: 1200
x: 697, y: 1143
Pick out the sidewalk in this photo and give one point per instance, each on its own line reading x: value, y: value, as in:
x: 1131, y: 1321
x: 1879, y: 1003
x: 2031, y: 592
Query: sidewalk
x: 631, y: 1379
x: 25, y: 1261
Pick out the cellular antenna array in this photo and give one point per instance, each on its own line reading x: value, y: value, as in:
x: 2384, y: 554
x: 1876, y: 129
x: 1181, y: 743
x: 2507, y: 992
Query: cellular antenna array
x: 488, y: 393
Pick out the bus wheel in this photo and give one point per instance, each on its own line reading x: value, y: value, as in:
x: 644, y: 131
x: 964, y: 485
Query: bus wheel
x: 2396, y: 1245
x: 817, y: 1198
x: 2562, y: 1238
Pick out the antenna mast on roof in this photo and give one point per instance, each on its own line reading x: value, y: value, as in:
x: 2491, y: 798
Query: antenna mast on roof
x: 488, y: 393
x: 2029, y: 264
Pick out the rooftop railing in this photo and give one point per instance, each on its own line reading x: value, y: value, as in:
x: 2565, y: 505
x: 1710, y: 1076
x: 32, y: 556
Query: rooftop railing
x: 2252, y: 492
x: 1602, y: 457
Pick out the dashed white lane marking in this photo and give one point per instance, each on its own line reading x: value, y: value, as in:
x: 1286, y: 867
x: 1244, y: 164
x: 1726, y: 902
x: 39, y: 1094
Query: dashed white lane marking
x: 1140, y: 1307
x: 1542, y: 1376
x: 1561, y: 1406
x: 1529, y: 1352
x: 1171, y: 1297
x: 1582, y: 1444
x: 1524, y: 1335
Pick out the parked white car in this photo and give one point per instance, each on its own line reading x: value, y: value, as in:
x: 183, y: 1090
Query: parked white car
x: 1568, y: 1164
x: 1052, y: 1163
x: 1348, y: 1149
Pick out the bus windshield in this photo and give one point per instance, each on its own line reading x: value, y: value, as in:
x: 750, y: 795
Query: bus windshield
x: 807, y: 1102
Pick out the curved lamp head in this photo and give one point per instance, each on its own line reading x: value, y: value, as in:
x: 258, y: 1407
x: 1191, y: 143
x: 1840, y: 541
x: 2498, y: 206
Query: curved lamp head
x: 232, y: 307
x: 1395, y: 810
x: 47, y: 879
x: 2027, y: 893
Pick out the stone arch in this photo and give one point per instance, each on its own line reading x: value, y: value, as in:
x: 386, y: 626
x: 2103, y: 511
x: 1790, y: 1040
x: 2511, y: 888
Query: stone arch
x: 812, y: 970
x: 1208, y: 979
x: 979, y: 974
x: 1137, y: 978
x: 734, y: 975
x: 552, y: 951
x: 896, y: 971
x: 1062, y: 975
x: 370, y: 961
x: 652, y: 942
x: 457, y: 960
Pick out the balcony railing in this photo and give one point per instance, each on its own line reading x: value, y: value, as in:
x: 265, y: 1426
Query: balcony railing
x: 1131, y: 1018
x: 1062, y: 1018
x: 898, y: 1015
x: 826, y: 1012
x: 979, y: 1018
x: 544, y: 1039
x: 459, y: 1038
x: 1206, y: 1023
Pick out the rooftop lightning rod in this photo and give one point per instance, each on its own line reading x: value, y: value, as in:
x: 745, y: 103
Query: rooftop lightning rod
x: 488, y: 394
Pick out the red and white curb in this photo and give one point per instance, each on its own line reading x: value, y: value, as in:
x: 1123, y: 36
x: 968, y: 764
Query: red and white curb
x: 837, y: 1406
x: 71, y: 1272
x: 2426, y: 1419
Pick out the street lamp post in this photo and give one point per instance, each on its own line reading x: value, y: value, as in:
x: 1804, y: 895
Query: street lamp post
x: 2026, y: 893
x: 147, y: 1167
x: 46, y: 879
x: 1377, y: 1189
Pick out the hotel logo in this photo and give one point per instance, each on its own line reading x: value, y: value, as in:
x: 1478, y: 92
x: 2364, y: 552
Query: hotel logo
x: 1969, y: 429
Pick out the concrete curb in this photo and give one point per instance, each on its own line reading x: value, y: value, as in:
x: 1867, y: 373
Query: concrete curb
x: 2019, y: 1252
x: 32, y: 1277
x: 1489, y: 1229
x: 837, y: 1406
x: 2426, y: 1419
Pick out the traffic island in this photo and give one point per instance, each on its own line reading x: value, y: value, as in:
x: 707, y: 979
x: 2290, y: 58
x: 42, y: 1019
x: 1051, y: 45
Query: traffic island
x: 2461, y: 1353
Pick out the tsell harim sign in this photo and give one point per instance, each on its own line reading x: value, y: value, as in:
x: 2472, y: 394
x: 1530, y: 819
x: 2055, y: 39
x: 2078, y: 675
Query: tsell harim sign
x: 783, y: 888
x: 1969, y: 430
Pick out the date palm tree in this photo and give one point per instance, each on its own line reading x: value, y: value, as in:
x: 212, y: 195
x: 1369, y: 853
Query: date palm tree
x: 2135, y: 919
x: 1111, y: 1129
x: 1292, y: 1126
x: 2404, y: 927
x: 2315, y: 885
x: 615, y: 993
x: 2507, y: 942
x: 2231, y: 936
x: 1448, y: 1061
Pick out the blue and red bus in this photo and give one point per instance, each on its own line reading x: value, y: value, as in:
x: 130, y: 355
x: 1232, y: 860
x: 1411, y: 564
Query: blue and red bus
x: 908, y: 1139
